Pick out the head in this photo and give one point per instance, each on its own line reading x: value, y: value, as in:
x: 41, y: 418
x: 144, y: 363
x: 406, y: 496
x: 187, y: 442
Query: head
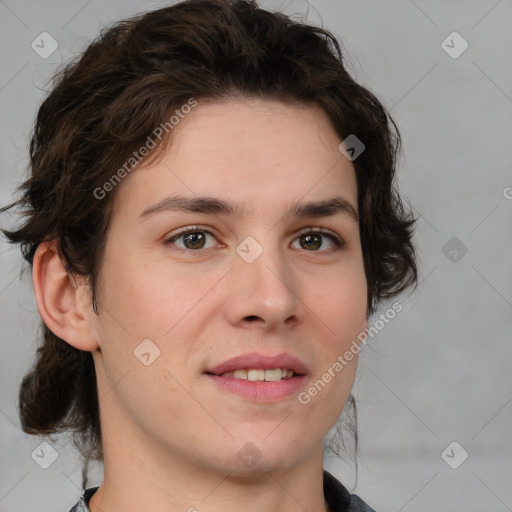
x: 203, y: 100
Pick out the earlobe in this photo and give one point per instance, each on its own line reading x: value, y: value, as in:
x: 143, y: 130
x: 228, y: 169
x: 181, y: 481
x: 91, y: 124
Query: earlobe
x: 58, y: 299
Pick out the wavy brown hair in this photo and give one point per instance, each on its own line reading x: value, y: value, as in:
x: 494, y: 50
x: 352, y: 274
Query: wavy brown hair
x: 103, y: 105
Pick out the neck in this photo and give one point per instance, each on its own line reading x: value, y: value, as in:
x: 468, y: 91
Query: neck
x: 138, y: 479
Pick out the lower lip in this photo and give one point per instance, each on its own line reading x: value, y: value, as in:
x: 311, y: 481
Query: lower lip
x: 260, y: 391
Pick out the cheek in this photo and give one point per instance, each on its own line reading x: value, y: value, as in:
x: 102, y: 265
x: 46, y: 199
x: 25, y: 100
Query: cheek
x: 147, y: 300
x: 341, y: 306
x: 342, y: 302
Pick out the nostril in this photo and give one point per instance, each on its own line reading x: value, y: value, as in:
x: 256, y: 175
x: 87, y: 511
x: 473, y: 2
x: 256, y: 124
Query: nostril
x: 252, y: 317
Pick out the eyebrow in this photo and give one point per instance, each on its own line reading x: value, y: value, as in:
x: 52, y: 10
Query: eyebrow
x: 324, y: 208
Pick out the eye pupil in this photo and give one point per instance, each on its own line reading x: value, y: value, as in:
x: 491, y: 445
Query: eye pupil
x: 313, y: 239
x: 196, y: 238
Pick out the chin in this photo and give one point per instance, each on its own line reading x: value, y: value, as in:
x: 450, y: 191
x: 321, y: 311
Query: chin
x: 265, y: 455
x: 262, y: 466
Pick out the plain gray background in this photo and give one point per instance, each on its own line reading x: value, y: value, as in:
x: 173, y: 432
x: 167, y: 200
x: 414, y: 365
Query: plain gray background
x: 439, y: 372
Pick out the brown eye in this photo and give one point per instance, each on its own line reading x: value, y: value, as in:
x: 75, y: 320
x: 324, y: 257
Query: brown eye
x: 194, y: 240
x: 190, y: 239
x: 313, y: 240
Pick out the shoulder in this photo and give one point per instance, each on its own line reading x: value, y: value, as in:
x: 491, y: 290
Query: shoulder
x: 340, y: 499
x: 83, y: 503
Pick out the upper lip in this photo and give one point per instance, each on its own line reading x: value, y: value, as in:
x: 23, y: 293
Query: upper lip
x: 260, y: 361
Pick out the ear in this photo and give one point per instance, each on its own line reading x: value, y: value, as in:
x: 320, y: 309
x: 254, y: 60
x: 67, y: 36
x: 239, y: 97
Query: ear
x: 62, y: 303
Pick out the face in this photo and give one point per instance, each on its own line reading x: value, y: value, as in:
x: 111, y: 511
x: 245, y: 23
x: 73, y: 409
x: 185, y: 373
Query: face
x: 259, y: 276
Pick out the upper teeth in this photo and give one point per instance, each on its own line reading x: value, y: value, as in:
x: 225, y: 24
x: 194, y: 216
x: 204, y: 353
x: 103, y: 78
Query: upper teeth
x: 254, y: 375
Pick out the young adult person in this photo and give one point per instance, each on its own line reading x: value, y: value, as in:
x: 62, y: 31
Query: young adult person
x: 211, y: 220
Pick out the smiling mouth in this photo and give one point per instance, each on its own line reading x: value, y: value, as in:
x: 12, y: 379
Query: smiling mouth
x: 257, y: 374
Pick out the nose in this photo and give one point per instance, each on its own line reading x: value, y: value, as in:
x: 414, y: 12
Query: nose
x: 263, y: 293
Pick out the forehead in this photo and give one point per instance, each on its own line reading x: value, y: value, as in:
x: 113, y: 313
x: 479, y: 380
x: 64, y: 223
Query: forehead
x: 261, y: 153
x: 268, y: 130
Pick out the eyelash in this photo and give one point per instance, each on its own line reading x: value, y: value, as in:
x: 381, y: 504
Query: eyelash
x: 338, y: 242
